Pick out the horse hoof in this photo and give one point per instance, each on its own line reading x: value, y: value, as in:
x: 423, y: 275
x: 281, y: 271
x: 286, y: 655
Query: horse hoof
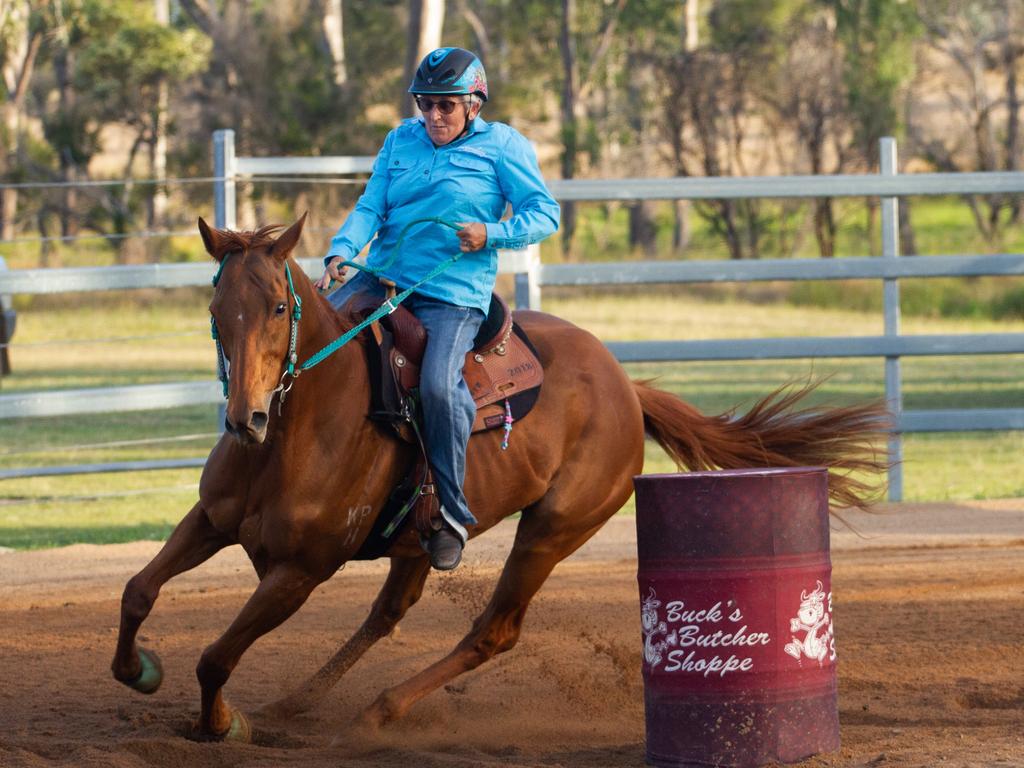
x: 239, y: 731
x: 151, y: 673
x: 373, y: 718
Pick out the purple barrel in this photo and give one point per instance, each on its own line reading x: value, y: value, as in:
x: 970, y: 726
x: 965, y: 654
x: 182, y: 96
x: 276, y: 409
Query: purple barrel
x: 739, y: 660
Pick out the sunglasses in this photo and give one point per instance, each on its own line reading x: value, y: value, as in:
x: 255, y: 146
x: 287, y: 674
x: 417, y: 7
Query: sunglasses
x: 446, y: 106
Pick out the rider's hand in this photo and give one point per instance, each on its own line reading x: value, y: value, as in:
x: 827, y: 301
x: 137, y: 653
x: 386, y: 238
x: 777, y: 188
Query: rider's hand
x: 472, y: 236
x: 333, y: 272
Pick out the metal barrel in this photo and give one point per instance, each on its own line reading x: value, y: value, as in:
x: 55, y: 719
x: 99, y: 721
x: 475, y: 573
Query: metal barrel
x: 739, y: 661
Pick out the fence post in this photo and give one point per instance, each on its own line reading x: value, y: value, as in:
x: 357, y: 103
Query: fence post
x: 528, y: 283
x: 891, y: 287
x: 8, y: 319
x: 224, y: 181
x: 223, y: 202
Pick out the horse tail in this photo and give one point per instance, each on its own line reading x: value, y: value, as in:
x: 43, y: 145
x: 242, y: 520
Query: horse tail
x: 774, y: 433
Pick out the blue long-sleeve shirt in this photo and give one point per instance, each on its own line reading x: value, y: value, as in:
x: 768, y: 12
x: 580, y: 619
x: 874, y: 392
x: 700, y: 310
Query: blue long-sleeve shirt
x: 470, y: 179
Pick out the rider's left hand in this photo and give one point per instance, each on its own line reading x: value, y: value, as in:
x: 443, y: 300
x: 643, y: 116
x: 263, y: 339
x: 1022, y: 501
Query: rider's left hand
x: 472, y: 236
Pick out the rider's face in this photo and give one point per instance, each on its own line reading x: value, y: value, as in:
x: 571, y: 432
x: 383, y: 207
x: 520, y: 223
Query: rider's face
x: 445, y: 128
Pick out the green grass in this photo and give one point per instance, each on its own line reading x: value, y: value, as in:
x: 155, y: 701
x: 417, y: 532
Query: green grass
x: 94, y: 509
x: 43, y: 512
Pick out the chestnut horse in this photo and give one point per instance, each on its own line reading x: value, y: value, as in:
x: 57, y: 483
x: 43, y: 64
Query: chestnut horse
x: 299, y: 485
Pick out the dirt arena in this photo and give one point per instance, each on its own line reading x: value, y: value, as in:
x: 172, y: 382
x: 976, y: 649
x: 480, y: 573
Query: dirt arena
x: 929, y: 611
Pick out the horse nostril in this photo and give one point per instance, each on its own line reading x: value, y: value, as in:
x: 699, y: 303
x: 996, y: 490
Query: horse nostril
x: 229, y: 427
x: 258, y: 420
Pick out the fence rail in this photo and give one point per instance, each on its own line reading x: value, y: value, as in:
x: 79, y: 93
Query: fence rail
x: 532, y: 276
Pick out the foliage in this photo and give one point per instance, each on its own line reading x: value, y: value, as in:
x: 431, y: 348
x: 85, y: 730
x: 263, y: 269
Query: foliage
x: 877, y: 42
x: 124, y: 58
x: 769, y: 87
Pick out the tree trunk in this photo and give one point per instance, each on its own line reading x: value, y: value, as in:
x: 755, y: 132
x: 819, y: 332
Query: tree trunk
x: 690, y: 26
x: 335, y: 40
x: 132, y: 249
x: 681, y: 208
x: 642, y: 229
x: 908, y: 243
x: 17, y: 69
x: 8, y: 161
x: 426, y: 20
x: 483, y: 40
x: 570, y: 124
x: 824, y: 227
x: 1013, y: 48
x: 63, y: 68
x: 157, y: 204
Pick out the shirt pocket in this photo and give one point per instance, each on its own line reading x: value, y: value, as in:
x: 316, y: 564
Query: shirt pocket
x: 401, y: 167
x: 466, y: 162
x: 473, y: 180
x: 398, y: 163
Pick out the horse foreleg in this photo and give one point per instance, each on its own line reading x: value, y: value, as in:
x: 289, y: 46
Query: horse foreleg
x: 497, y: 628
x: 193, y: 542
x: 402, y: 588
x: 282, y: 590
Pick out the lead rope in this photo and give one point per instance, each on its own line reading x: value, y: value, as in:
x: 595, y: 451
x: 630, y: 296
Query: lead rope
x: 222, y: 368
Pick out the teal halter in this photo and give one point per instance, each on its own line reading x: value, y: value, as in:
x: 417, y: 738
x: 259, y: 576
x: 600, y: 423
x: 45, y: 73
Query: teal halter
x: 291, y: 369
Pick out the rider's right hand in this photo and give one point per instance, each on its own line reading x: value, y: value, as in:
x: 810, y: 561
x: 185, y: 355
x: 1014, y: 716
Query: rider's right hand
x: 334, y: 271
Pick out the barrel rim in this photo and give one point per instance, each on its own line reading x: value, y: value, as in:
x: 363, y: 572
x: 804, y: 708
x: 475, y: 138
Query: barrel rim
x: 725, y: 473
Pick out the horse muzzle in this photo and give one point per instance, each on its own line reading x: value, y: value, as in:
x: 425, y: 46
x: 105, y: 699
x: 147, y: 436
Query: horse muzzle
x: 251, y: 429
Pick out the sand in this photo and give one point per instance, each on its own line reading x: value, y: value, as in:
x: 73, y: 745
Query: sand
x: 929, y: 610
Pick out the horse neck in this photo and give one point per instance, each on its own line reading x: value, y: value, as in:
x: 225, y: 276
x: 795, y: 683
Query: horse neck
x: 340, y: 385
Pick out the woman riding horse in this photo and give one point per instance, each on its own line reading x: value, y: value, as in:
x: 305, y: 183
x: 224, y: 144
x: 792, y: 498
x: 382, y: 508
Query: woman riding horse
x: 449, y: 160
x: 302, y: 504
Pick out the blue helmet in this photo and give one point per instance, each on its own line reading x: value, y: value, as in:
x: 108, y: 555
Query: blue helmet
x: 450, y: 71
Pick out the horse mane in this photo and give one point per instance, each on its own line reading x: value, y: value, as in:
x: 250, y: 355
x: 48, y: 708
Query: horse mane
x: 230, y: 241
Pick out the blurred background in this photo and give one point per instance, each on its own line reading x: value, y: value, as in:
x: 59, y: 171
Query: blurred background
x: 108, y: 109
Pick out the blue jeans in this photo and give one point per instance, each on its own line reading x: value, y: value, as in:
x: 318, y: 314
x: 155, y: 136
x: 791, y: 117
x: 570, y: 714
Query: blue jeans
x: 448, y: 407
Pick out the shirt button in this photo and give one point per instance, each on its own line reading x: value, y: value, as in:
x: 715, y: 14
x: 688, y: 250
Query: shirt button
x: 426, y: 173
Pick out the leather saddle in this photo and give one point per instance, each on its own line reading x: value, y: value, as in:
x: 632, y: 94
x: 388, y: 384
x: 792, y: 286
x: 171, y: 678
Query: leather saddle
x: 502, y: 372
x: 502, y: 366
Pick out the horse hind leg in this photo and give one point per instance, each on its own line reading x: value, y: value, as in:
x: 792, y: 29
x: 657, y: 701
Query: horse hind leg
x: 402, y: 588
x: 542, y: 541
x: 191, y: 543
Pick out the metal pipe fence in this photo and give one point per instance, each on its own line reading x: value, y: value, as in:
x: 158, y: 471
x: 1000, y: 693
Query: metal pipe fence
x: 531, y: 276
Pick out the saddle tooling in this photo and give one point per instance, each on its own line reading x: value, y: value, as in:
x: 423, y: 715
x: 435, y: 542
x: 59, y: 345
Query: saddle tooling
x: 502, y: 372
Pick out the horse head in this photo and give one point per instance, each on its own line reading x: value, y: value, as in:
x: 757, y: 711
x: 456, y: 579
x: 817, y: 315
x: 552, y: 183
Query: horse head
x: 252, y: 310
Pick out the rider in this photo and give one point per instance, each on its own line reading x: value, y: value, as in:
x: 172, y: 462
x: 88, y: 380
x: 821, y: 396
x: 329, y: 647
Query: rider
x: 446, y: 163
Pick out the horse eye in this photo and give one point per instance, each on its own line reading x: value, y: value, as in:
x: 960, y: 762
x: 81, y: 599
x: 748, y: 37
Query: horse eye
x: 281, y: 308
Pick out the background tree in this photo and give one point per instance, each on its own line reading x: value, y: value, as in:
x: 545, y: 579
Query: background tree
x: 974, y: 43
x: 807, y: 94
x: 709, y: 94
x: 126, y: 62
x: 876, y: 38
x: 426, y: 21
x: 21, y: 36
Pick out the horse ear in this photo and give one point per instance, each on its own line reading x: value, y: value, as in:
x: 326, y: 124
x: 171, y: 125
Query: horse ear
x: 287, y: 241
x: 211, y: 238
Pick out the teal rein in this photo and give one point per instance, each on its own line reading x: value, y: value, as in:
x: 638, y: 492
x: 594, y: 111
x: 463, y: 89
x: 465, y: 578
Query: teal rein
x: 390, y: 305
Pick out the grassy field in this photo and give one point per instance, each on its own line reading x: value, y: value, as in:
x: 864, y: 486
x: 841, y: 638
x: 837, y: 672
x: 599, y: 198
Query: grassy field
x: 165, y: 337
